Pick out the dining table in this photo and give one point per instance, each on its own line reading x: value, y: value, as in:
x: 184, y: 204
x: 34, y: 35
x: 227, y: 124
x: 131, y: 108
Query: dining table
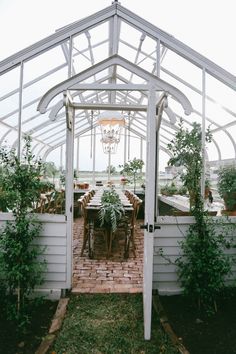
x: 92, y: 208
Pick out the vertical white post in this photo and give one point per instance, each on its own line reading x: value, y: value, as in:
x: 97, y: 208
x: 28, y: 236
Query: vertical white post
x: 149, y: 213
x: 94, y: 155
x: 109, y: 164
x: 70, y: 116
x: 70, y: 57
x: 69, y: 193
x: 203, y: 130
x: 129, y: 137
x: 158, y: 71
x: 125, y: 144
x: 20, y: 110
x: 141, y: 148
x: 61, y: 157
x: 77, y: 154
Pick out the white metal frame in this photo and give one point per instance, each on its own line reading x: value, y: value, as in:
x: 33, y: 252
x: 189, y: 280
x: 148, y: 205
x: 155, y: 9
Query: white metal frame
x: 154, y: 109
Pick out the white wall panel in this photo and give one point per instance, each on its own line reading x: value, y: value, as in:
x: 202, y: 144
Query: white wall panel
x: 168, y: 238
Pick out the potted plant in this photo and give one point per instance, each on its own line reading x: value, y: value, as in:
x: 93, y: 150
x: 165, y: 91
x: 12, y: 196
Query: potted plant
x: 169, y: 190
x: 227, y: 187
x: 182, y: 190
x: 133, y: 169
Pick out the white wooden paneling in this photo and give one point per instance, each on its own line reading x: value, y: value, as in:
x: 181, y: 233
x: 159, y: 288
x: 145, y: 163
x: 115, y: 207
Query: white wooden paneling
x: 55, y: 250
x: 50, y: 241
x: 56, y: 268
x: 53, y: 277
x: 168, y: 238
x: 53, y: 238
x: 52, y: 258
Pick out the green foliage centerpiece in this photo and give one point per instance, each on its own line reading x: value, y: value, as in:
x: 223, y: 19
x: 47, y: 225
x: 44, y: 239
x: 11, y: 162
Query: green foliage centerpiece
x: 111, y: 210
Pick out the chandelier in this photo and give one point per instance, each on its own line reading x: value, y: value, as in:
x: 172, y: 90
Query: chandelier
x: 111, y: 124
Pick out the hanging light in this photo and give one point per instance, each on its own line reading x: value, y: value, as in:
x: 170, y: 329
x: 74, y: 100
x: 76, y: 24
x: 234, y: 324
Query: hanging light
x: 111, y: 124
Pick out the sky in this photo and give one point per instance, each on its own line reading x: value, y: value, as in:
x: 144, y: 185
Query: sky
x: 207, y: 26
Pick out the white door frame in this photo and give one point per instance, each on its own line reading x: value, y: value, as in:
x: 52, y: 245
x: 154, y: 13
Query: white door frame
x: 149, y: 212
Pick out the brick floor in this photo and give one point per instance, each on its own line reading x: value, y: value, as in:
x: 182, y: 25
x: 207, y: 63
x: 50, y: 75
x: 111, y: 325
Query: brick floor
x: 102, y: 275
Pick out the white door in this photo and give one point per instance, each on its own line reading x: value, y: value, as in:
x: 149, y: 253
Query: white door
x: 149, y: 222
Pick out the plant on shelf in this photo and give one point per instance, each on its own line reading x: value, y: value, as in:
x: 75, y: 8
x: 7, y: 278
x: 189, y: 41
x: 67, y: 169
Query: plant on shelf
x: 182, y: 190
x: 133, y: 169
x: 227, y: 186
x: 169, y: 190
x: 112, y: 210
x: 21, y: 271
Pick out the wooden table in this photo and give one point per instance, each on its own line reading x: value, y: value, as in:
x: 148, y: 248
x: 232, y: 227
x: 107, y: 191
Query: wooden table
x: 92, y: 216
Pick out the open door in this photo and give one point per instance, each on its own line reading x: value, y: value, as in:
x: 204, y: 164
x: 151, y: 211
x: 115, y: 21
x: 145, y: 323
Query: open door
x: 149, y: 222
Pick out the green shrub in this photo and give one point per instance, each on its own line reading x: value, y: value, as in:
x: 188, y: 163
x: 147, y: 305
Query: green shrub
x: 20, y: 270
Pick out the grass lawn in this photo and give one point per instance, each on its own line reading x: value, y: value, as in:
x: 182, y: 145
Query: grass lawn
x: 108, y: 324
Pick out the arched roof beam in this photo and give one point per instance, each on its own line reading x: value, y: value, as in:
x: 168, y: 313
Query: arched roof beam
x: 221, y: 128
x: 73, y: 83
x: 213, y: 140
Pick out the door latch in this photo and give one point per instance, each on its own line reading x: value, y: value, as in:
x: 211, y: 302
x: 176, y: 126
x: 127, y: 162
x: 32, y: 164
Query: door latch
x: 150, y: 228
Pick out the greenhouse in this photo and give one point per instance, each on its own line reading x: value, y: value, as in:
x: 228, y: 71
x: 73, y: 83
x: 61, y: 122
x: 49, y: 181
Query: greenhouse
x: 97, y: 95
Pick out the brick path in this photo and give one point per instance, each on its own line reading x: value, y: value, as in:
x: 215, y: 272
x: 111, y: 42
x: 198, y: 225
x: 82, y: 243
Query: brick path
x: 101, y: 275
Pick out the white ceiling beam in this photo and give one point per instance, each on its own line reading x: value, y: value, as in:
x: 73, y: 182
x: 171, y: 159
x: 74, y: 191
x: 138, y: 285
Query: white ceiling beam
x: 72, y: 83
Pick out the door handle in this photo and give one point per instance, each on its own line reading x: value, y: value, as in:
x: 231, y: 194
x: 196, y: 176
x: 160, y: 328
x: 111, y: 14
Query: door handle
x: 150, y: 228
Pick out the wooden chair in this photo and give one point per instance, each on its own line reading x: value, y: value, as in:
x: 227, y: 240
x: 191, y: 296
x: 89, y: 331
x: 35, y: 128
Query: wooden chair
x: 97, y: 230
x: 84, y: 214
x: 136, y: 205
x: 57, y: 203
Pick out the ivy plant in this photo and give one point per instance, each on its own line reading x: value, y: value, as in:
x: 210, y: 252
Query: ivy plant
x: 203, y: 266
x: 20, y: 269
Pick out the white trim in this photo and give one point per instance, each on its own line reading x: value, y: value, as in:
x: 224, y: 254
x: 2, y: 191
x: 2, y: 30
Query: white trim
x: 69, y: 197
x: 149, y: 214
x: 73, y: 83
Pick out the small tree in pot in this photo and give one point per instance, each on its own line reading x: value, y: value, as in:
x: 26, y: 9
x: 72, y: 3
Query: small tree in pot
x: 227, y: 187
x: 132, y: 169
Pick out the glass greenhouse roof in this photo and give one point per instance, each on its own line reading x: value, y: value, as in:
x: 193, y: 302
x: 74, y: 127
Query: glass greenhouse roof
x: 84, y: 51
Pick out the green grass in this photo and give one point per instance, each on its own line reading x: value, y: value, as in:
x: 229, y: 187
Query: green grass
x: 108, y: 324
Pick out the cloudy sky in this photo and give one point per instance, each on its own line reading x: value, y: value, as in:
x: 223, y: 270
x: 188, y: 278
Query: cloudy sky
x: 207, y: 26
